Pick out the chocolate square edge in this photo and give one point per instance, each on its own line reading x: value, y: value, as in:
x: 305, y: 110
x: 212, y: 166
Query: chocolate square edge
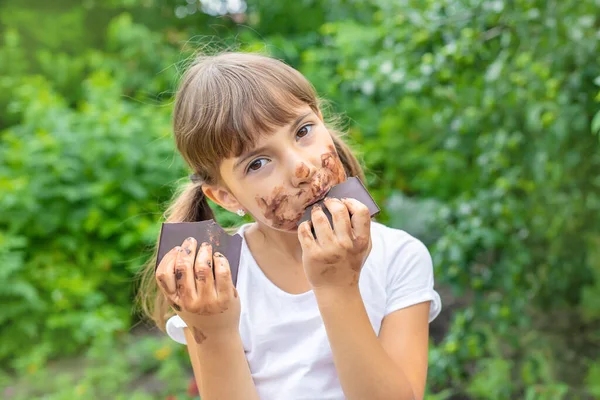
x: 174, y: 233
x: 351, y: 187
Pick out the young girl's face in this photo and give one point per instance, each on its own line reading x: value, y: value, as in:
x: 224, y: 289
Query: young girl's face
x: 285, y: 172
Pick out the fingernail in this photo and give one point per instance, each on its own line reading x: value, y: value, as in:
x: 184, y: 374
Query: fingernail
x: 218, y: 255
x: 190, y: 239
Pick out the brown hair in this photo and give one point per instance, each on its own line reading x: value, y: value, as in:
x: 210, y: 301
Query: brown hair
x: 224, y: 103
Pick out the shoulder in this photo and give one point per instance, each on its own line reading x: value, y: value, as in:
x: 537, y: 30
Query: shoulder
x: 391, y: 244
x: 400, y: 257
x: 405, y: 264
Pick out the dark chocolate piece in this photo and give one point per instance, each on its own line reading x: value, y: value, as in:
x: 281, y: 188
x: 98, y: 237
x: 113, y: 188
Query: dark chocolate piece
x: 351, y: 188
x: 173, y: 234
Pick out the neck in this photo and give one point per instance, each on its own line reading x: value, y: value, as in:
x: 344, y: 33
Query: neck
x: 281, y: 244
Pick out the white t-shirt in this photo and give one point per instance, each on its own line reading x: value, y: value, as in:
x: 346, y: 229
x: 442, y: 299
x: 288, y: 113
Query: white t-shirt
x: 283, y: 334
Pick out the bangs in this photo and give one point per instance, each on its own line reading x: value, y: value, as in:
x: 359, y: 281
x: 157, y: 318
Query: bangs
x: 253, y: 115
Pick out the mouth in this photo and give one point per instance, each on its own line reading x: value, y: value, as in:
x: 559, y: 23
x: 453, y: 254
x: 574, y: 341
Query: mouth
x: 320, y: 196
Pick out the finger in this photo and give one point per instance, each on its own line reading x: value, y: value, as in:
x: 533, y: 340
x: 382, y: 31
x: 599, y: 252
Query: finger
x: 205, y: 281
x: 224, y: 283
x: 184, y: 272
x: 305, y: 236
x: 342, y: 227
x: 164, y: 272
x: 321, y: 225
x: 360, y: 218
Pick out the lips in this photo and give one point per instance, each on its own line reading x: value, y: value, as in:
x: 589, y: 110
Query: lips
x: 320, y: 196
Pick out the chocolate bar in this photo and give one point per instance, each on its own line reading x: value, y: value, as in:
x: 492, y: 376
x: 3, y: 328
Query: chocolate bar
x: 351, y: 188
x: 173, y: 234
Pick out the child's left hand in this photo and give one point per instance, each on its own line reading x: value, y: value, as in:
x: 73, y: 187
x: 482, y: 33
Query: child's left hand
x: 335, y: 257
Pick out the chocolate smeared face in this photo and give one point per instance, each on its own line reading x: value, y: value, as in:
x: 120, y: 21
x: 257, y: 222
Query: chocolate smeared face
x: 284, y: 208
x: 302, y: 171
x: 287, y: 171
x: 331, y: 162
x: 352, y: 188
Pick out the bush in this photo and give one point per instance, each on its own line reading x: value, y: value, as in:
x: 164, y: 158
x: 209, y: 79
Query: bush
x: 79, y: 205
x: 475, y: 119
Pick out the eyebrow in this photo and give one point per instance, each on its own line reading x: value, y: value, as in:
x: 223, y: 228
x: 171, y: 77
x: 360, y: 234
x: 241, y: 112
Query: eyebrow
x: 263, y: 148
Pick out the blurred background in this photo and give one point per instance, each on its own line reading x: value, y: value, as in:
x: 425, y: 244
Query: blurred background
x: 478, y: 122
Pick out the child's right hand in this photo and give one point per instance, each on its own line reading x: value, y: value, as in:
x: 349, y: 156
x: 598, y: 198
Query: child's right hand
x: 207, y: 305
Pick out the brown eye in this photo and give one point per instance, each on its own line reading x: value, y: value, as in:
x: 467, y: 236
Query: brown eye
x: 255, y: 165
x: 305, y: 130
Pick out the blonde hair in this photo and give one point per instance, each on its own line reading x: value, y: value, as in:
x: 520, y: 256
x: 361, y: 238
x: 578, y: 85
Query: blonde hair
x: 223, y: 104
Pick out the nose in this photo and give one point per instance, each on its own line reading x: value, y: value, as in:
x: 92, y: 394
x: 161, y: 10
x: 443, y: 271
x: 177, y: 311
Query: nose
x: 303, y: 172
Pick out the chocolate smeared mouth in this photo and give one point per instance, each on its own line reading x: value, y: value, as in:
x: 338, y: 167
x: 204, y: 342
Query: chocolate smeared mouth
x: 351, y: 188
x: 320, y: 197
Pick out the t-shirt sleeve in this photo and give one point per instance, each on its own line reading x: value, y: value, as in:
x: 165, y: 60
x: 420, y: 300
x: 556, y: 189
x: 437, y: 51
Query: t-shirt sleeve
x: 410, y: 277
x: 174, y: 329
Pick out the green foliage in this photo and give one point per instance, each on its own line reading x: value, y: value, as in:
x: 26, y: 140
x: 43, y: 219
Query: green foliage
x: 479, y: 123
x: 84, y: 179
x: 76, y: 189
x: 128, y: 367
x: 481, y: 112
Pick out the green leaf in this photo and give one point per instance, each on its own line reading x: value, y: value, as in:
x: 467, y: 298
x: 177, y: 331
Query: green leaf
x: 596, y: 124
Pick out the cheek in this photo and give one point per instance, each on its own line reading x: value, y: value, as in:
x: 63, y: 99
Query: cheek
x: 332, y: 163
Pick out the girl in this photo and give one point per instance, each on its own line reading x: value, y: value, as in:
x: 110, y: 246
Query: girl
x: 343, y: 313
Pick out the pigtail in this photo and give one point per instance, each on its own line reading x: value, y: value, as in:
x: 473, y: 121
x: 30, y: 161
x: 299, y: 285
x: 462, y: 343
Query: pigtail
x: 189, y: 205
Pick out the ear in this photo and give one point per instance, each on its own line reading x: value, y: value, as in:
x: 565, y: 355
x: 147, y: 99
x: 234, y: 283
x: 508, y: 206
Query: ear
x: 222, y: 197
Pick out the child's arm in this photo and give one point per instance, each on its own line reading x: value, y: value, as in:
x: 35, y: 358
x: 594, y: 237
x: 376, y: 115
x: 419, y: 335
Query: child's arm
x: 209, y: 305
x: 393, y: 366
x: 193, y: 353
x: 225, y: 374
